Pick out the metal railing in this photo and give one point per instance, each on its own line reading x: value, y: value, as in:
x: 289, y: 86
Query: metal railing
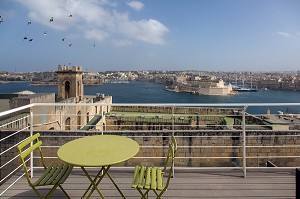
x: 223, y: 136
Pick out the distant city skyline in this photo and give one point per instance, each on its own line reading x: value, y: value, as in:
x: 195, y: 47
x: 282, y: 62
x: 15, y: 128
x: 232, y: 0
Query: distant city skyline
x: 103, y: 35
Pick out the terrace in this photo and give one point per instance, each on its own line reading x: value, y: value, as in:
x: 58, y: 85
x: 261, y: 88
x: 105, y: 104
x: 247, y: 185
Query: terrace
x: 223, y: 150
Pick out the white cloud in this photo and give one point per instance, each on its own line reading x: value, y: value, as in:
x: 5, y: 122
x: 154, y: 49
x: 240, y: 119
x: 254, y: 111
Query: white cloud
x: 122, y: 43
x: 151, y: 31
x: 72, y: 36
x: 97, y: 35
x: 42, y: 11
x: 137, y: 5
x: 95, y: 19
x: 285, y: 34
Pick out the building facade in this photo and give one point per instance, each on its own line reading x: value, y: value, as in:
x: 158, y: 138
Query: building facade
x: 62, y: 117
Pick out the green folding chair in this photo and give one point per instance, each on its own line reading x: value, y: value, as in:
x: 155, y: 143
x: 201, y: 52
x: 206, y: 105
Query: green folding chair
x: 54, y: 175
x: 146, y: 179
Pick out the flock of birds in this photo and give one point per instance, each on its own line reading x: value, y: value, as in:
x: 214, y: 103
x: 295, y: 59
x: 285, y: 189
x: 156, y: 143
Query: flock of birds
x: 51, y: 20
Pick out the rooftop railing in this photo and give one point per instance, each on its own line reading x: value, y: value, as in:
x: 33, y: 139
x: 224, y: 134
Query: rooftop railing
x: 223, y: 136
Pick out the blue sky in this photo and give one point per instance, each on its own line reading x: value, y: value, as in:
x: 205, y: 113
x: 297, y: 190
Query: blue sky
x: 101, y: 35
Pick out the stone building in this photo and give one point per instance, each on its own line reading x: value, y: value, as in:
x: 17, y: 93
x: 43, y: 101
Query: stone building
x: 201, y: 87
x: 70, y: 90
x: 92, y: 79
x: 70, y: 83
x: 58, y: 117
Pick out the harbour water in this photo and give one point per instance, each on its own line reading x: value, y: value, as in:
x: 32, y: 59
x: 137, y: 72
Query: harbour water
x: 145, y: 92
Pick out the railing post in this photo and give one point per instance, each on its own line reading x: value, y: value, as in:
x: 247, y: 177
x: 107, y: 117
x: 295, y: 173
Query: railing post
x: 102, y: 120
x: 173, y: 132
x: 244, y: 141
x: 297, y: 183
x: 60, y: 117
x: 31, y: 134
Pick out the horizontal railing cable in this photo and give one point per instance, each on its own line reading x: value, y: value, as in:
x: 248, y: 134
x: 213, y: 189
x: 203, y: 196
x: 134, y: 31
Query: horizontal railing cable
x: 179, y: 120
x: 11, y: 173
x: 13, y: 183
x: 9, y: 161
x: 14, y: 134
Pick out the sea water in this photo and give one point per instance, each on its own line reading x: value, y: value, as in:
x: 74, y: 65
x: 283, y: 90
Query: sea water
x: 145, y: 92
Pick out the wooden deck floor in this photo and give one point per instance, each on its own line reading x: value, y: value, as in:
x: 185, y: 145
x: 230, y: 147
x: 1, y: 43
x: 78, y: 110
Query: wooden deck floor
x: 186, y: 184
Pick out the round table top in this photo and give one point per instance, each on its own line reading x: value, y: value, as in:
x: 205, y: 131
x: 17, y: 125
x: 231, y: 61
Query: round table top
x: 98, y: 150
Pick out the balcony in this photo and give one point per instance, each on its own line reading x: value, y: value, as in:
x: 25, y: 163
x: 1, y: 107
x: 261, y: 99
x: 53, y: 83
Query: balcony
x: 223, y: 150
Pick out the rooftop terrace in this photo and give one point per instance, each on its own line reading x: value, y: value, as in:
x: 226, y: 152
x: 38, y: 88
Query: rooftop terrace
x: 188, y: 183
x: 226, y: 159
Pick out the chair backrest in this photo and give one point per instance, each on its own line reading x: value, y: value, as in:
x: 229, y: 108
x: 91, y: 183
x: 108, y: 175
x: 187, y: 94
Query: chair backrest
x: 26, y: 147
x: 170, y: 159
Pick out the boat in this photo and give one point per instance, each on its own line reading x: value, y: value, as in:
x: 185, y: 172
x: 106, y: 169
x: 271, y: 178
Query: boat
x: 244, y: 89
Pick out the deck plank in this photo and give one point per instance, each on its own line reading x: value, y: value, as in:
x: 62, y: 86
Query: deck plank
x: 186, y: 184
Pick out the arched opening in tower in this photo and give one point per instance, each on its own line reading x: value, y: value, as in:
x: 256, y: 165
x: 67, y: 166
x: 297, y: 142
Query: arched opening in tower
x: 78, y: 120
x: 68, y: 124
x: 67, y: 89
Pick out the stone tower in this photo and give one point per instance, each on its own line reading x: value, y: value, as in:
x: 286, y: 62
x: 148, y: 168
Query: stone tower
x: 70, y: 82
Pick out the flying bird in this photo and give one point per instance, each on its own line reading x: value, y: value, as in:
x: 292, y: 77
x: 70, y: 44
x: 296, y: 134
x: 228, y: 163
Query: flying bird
x: 51, y: 20
x: 1, y: 19
x: 45, y: 33
x: 29, y: 22
x: 94, y: 45
x: 63, y: 39
x: 25, y: 38
x: 70, y: 45
x: 70, y: 15
x: 30, y: 40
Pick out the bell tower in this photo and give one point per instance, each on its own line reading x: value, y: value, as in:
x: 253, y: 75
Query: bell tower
x: 70, y: 82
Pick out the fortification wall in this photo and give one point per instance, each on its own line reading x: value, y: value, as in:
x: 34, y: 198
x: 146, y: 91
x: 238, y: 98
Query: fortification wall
x: 177, y: 110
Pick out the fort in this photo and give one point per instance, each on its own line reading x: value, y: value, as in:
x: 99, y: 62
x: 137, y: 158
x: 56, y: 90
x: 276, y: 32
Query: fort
x: 200, y: 86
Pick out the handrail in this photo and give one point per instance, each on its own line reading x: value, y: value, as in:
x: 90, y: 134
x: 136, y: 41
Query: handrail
x: 168, y: 104
x: 243, y: 134
x: 16, y: 110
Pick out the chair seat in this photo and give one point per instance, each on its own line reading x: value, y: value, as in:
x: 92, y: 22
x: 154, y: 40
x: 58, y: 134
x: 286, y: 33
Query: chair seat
x: 54, y: 175
x: 150, y: 178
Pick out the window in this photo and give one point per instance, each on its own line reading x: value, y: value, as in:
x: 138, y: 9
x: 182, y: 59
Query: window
x: 87, y: 117
x: 68, y: 124
x: 67, y: 89
x: 78, y: 120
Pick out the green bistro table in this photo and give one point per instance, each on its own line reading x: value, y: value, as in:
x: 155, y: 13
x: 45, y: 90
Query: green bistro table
x: 101, y: 151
